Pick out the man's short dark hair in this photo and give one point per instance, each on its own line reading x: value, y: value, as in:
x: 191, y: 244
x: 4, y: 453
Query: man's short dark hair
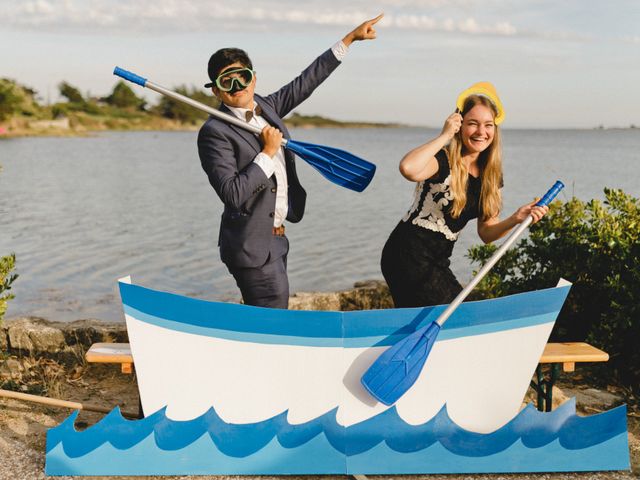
x: 223, y: 58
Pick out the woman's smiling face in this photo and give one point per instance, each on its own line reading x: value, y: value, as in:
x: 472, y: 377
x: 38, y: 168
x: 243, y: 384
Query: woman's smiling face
x: 478, y: 129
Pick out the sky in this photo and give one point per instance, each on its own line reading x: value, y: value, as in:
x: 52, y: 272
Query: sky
x: 555, y: 64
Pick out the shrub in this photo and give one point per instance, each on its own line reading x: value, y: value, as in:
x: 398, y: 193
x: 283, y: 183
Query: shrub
x: 59, y: 110
x: 182, y: 112
x: 65, y: 109
x: 91, y: 107
x: 596, y: 246
x: 123, y: 97
x: 7, y: 265
x: 71, y: 93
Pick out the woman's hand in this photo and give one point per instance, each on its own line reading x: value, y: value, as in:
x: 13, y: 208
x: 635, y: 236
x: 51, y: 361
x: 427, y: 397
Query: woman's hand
x: 271, y: 139
x: 420, y: 163
x: 530, y: 209
x: 364, y: 31
x: 452, y: 125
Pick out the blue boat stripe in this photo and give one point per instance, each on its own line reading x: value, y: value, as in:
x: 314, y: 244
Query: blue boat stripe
x: 251, y: 337
x: 359, y: 342
x: 497, y: 327
x: 230, y: 316
x: 317, y: 326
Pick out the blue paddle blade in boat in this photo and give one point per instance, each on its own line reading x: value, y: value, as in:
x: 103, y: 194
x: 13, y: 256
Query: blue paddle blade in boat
x: 398, y: 368
x: 337, y: 166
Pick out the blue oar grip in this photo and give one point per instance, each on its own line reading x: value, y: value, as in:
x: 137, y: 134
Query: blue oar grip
x: 132, y: 77
x: 551, y: 194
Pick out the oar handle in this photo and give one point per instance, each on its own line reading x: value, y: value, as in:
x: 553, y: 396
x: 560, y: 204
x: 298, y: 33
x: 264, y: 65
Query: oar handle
x: 130, y: 76
x: 545, y: 200
x: 143, y: 82
x: 551, y: 194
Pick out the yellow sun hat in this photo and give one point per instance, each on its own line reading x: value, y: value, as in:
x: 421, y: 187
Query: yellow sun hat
x: 485, y: 89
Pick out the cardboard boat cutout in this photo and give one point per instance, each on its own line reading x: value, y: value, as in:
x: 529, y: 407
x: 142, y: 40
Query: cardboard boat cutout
x: 235, y: 389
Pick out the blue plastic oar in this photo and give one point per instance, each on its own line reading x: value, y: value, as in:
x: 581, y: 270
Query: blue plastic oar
x: 337, y: 166
x: 397, y: 369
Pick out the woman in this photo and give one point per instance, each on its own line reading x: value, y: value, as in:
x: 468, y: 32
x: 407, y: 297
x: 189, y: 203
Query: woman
x: 459, y: 177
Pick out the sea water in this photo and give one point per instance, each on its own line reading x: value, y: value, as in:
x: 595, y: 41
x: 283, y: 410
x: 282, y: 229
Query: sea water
x: 82, y: 212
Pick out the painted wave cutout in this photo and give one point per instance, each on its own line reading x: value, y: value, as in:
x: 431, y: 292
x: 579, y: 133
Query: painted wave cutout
x: 533, y: 428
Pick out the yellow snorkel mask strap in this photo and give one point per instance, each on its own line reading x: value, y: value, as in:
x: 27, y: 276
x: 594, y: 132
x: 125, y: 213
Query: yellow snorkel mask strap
x: 485, y: 89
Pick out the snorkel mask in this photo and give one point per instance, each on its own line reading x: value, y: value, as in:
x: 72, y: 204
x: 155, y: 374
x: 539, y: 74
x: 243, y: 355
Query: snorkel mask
x: 487, y: 90
x: 234, y: 80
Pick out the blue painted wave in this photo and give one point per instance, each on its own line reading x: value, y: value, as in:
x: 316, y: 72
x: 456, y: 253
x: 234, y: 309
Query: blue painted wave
x: 533, y: 428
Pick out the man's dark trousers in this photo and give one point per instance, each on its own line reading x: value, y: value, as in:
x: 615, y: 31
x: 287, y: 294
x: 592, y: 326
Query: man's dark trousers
x: 267, y: 285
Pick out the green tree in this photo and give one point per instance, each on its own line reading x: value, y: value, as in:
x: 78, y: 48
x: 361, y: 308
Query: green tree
x: 182, y: 112
x: 16, y: 99
x: 123, y: 97
x: 596, y: 246
x: 71, y: 93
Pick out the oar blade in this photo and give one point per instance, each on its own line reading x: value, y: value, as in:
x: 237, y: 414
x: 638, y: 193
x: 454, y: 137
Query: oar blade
x: 337, y: 166
x: 398, y: 368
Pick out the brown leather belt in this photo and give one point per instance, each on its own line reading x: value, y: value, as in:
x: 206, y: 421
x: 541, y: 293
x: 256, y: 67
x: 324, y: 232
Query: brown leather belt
x: 278, y: 231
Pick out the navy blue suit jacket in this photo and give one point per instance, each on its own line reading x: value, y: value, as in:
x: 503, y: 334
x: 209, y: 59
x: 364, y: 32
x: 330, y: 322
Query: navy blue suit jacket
x: 227, y: 153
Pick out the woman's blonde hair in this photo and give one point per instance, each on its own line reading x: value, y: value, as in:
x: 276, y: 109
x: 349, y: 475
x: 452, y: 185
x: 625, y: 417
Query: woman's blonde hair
x: 489, y: 161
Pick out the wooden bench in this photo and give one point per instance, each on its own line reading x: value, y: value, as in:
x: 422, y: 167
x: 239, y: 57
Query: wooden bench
x: 555, y: 355
x: 111, y: 353
x: 565, y: 355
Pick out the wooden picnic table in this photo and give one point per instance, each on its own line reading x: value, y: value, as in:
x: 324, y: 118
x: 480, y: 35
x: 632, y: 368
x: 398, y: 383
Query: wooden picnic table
x: 555, y: 355
x: 111, y: 353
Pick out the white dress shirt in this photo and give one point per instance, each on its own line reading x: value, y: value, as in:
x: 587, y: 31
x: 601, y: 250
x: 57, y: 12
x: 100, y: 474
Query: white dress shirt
x: 276, y: 165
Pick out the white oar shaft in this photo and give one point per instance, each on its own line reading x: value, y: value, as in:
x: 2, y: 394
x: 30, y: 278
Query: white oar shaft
x: 483, y: 271
x: 207, y: 109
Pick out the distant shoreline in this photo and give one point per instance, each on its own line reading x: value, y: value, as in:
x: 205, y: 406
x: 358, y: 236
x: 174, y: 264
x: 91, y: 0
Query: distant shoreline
x: 22, y: 114
x: 79, y: 125
x: 316, y: 121
x: 82, y: 124
x: 40, y: 129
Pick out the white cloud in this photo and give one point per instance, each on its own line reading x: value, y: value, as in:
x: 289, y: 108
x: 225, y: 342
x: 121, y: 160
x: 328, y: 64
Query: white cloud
x: 173, y: 16
x: 39, y: 7
x: 457, y: 17
x: 467, y: 26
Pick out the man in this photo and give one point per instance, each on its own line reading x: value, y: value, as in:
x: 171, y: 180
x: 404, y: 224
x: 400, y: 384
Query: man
x: 255, y: 177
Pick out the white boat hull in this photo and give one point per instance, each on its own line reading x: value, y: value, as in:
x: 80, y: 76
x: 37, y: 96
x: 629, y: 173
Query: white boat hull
x: 480, y: 375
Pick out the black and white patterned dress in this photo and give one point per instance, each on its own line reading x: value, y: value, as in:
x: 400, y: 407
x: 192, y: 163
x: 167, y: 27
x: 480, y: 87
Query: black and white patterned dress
x: 415, y: 260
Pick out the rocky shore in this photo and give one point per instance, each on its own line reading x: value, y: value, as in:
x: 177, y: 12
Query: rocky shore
x: 46, y: 358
